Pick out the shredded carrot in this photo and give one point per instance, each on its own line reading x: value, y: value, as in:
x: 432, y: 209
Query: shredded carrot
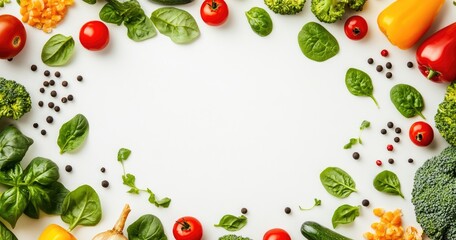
x: 44, y: 14
x: 390, y: 227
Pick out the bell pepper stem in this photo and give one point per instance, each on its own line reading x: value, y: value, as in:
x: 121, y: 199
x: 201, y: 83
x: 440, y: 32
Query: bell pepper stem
x: 432, y: 74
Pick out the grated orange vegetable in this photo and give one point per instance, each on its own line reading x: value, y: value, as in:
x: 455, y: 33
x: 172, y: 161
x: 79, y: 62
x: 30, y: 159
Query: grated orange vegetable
x: 44, y: 14
x: 390, y: 227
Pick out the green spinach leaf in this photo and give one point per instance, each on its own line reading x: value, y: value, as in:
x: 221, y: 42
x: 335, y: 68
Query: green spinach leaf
x: 109, y: 14
x: 407, y: 100
x: 73, y: 133
x: 359, y: 83
x: 317, y: 43
x: 58, y: 50
x: 42, y: 171
x: 232, y: 223
x: 5, y: 233
x: 345, y: 214
x: 260, y: 21
x: 177, y: 24
x: 337, y: 182
x: 13, y: 202
x: 140, y: 28
x: 147, y: 227
x: 388, y: 182
x: 81, y: 207
x: 13, y: 146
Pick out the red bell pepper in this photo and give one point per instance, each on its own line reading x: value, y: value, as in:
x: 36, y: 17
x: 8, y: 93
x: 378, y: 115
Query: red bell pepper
x: 436, y: 56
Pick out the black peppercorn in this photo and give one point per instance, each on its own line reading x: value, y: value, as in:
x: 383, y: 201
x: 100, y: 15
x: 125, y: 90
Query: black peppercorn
x: 410, y: 160
x: 47, y: 73
x: 52, y: 82
x: 64, y: 99
x: 398, y: 130
x: 379, y: 68
x: 57, y: 74
x: 40, y: 103
x: 102, y: 169
x: 49, y: 119
x: 42, y: 90
x: 389, y: 75
x: 34, y: 67
x: 390, y: 124
x: 105, y: 183
x: 79, y: 78
x: 370, y: 60
x: 53, y: 93
x: 390, y: 161
x: 244, y: 210
x: 365, y: 202
x: 397, y: 139
x: 57, y: 108
x: 50, y: 104
x: 388, y: 65
x: 68, y: 168
x: 70, y: 97
x: 409, y: 64
x: 287, y: 210
x: 383, y: 131
x: 64, y: 83
x: 355, y: 155
x: 35, y: 125
x: 43, y: 132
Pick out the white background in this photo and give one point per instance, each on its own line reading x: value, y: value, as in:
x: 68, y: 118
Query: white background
x: 231, y: 120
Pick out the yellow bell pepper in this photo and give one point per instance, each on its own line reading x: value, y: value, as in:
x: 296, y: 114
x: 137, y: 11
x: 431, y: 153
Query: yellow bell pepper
x: 404, y: 22
x: 56, y: 232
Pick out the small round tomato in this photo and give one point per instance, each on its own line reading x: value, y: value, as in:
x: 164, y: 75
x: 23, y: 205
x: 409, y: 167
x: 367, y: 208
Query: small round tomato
x: 355, y: 27
x: 214, y: 12
x: 94, y: 35
x: 187, y: 228
x: 276, y: 234
x: 421, y: 133
x: 12, y: 36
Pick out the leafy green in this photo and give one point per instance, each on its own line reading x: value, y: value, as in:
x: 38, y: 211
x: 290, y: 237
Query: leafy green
x: 337, y: 182
x: 345, y: 214
x: 15, y: 101
x: 407, y: 100
x: 317, y: 43
x: 177, y: 24
x: 388, y: 182
x: 5, y: 233
x: 130, y: 180
x: 317, y: 202
x: 260, y: 21
x: 81, y: 207
x: 232, y: 223
x: 58, y: 50
x: 147, y: 227
x: 353, y: 141
x: 2, y: 2
x: 73, y: 133
x: 13, y: 146
x: 359, y: 83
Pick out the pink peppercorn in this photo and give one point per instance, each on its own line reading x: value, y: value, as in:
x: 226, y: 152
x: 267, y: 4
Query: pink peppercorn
x: 378, y: 162
x: 389, y: 147
x: 384, y: 52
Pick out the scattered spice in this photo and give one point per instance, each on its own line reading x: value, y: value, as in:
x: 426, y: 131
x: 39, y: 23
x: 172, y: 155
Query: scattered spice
x: 370, y: 60
x: 389, y: 75
x: 409, y: 64
x: 35, y: 125
x: 365, y: 202
x: 244, y: 210
x: 384, y: 53
x: 57, y: 108
x: 103, y: 169
x: 390, y: 124
x: 49, y: 119
x: 105, y: 183
x: 65, y: 83
x: 52, y: 82
x: 34, y: 67
x: 57, y: 74
x: 68, y: 168
x: 379, y: 68
x: 46, y: 83
x: 410, y: 160
x: 355, y: 155
x: 287, y: 210
x: 50, y: 104
x: 79, y: 78
x: 47, y: 73
x: 398, y: 130
x: 64, y: 99
x: 391, y: 161
x: 383, y: 131
x: 378, y: 162
x: 388, y: 65
x: 54, y: 93
x: 40, y: 103
x: 42, y: 90
x: 397, y: 139
x: 43, y: 132
x: 389, y: 147
x: 70, y: 97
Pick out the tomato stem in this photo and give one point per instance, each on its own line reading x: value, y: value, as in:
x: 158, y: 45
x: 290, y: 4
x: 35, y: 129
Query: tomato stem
x: 214, y: 5
x: 184, y: 224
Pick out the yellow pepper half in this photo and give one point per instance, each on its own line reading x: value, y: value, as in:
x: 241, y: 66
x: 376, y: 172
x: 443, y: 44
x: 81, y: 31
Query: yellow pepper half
x: 56, y: 232
x: 405, y: 21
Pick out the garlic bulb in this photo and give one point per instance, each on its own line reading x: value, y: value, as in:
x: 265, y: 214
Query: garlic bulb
x: 116, y: 233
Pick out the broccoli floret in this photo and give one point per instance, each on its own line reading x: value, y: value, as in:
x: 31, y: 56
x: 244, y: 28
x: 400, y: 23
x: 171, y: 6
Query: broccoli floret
x: 285, y: 7
x: 328, y: 11
x: 233, y: 237
x: 14, y: 99
x: 445, y: 118
x: 434, y: 195
x: 356, y: 5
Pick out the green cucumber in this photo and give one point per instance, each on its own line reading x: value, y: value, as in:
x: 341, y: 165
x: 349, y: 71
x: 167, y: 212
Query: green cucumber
x: 315, y: 231
x: 171, y: 2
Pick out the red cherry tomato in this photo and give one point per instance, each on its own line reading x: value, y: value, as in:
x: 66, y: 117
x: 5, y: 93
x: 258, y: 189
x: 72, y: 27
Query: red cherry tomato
x: 187, y: 228
x: 421, y: 133
x: 94, y: 35
x: 12, y: 36
x: 214, y: 12
x: 355, y: 27
x: 276, y: 234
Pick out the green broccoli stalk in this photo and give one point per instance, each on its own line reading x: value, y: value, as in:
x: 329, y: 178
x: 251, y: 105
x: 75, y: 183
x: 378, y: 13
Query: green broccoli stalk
x: 233, y: 237
x: 445, y: 118
x: 434, y: 195
x: 285, y: 7
x: 14, y: 99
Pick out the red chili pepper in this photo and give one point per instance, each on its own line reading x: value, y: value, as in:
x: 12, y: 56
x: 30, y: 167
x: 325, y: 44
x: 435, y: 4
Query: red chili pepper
x: 436, y: 55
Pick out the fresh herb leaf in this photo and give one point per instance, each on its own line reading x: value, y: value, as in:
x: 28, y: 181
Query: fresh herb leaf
x: 317, y: 202
x: 123, y: 154
x: 13, y: 146
x: 2, y: 4
x: 365, y: 124
x: 345, y: 214
x: 232, y: 223
x: 13, y: 203
x: 73, y: 133
x: 260, y: 21
x: 109, y: 14
x: 407, y: 100
x: 337, y: 182
x: 146, y: 227
x: 359, y: 83
x: 351, y: 142
x: 81, y: 207
x: 58, y: 50
x: 388, y: 182
x: 177, y: 24
x: 5, y: 233
x: 317, y: 43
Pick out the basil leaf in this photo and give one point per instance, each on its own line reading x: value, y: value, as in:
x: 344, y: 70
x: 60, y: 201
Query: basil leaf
x: 359, y: 83
x: 123, y: 154
x: 388, y: 182
x: 11, y: 176
x: 317, y: 43
x: 73, y: 133
x: 407, y: 100
x: 232, y: 223
x: 337, y: 182
x: 109, y: 14
x: 81, y: 207
x: 345, y: 214
x: 147, y: 227
x: 12, y: 204
x: 58, y: 50
x: 13, y: 146
x: 5, y: 233
x: 260, y: 21
x: 42, y: 171
x: 140, y: 28
x: 177, y: 24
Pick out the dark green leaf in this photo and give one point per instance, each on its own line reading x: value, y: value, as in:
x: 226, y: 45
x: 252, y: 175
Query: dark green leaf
x: 123, y: 154
x: 147, y: 227
x: 388, y: 182
x: 232, y: 223
x: 345, y: 214
x: 407, y: 100
x: 317, y: 43
x: 337, y: 182
x: 73, y: 133
x: 110, y: 15
x: 13, y: 203
x: 11, y: 176
x: 177, y: 24
x: 260, y: 21
x: 5, y: 233
x: 13, y: 146
x: 41, y: 170
x: 90, y: 1
x: 359, y: 83
x: 58, y: 50
x: 140, y: 28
